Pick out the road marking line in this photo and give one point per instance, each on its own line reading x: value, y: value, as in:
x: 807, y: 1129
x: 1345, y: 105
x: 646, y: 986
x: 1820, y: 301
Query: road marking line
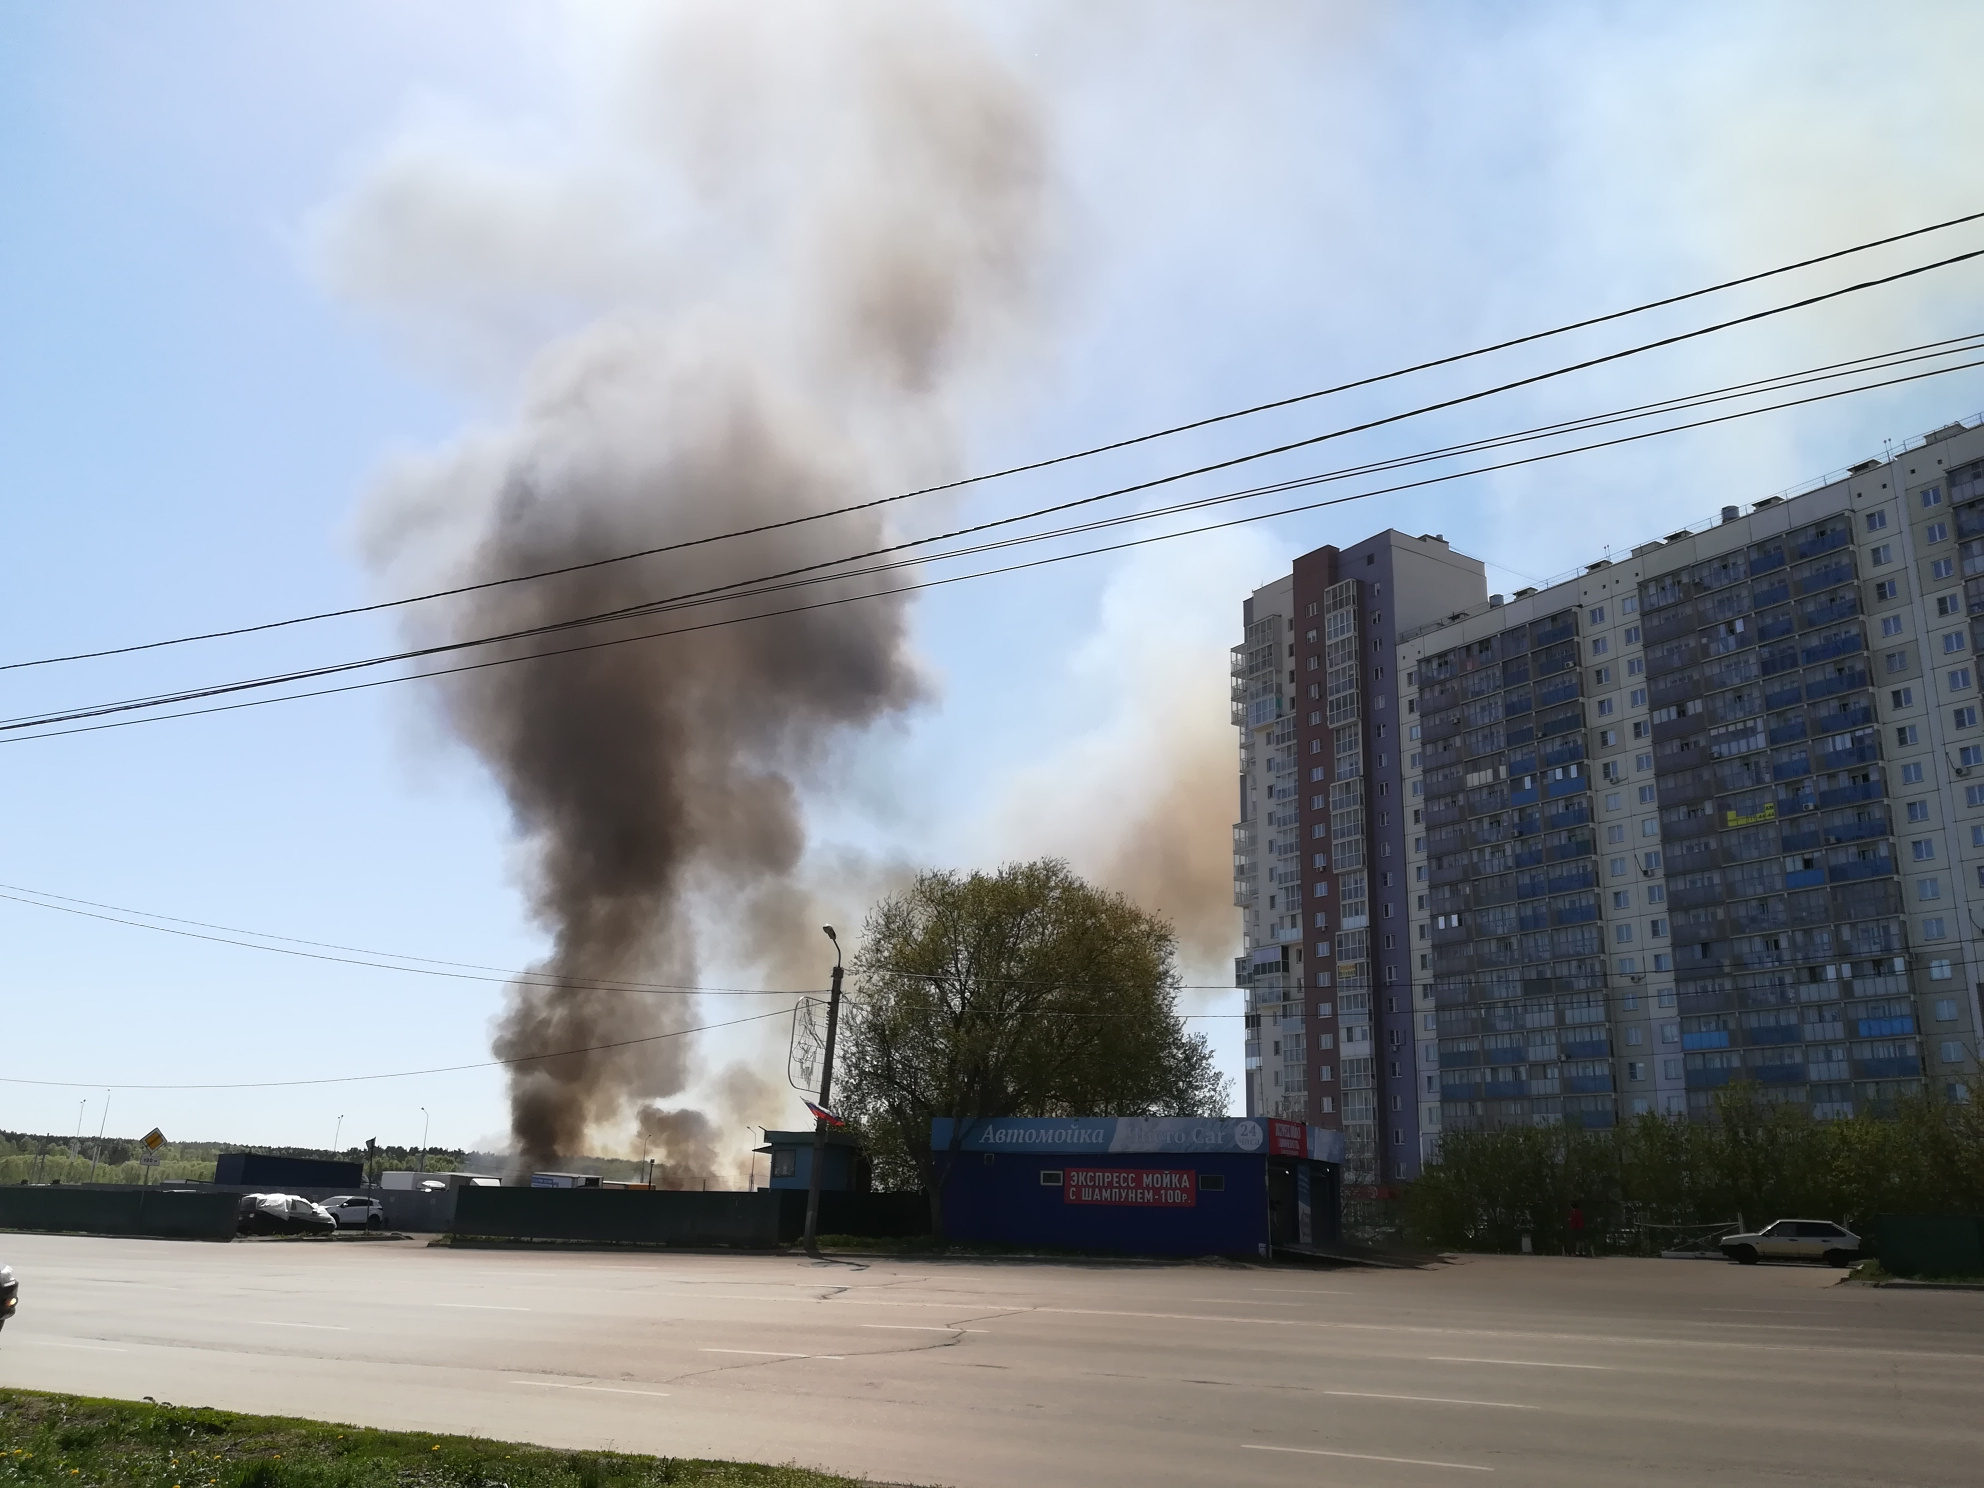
x: 602, y: 1389
x: 95, y: 1348
x: 324, y: 1327
x: 770, y: 1354
x: 1774, y: 1327
x: 920, y: 1328
x: 1301, y: 1292
x: 1426, y: 1399
x: 1367, y: 1457
x: 479, y: 1306
x: 1525, y: 1363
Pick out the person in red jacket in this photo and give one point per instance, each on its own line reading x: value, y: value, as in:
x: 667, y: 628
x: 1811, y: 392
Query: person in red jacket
x: 1578, y: 1243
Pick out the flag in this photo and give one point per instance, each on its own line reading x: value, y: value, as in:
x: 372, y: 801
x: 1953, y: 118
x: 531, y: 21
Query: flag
x: 821, y: 1113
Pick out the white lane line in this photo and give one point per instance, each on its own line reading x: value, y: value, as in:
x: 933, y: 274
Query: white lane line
x: 321, y: 1327
x: 919, y: 1328
x: 1300, y: 1292
x: 1774, y: 1327
x: 479, y: 1306
x: 770, y: 1354
x: 1426, y: 1399
x: 1367, y: 1457
x: 1525, y: 1363
x: 601, y: 1389
x: 95, y: 1348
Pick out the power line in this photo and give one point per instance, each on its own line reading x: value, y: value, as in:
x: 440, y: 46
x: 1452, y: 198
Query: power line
x: 518, y: 978
x: 16, y: 893
x: 41, y: 722
x: 444, y: 1069
x: 811, y: 574
x: 1062, y: 459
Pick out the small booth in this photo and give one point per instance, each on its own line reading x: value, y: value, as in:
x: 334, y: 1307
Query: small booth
x: 843, y: 1167
x: 1169, y: 1185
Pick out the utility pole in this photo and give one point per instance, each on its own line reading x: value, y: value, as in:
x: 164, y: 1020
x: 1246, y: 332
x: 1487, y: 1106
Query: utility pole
x: 97, y: 1151
x: 424, y: 1120
x: 826, y: 1094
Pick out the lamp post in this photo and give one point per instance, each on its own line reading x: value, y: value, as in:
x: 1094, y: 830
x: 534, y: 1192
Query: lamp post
x: 826, y: 1094
x: 424, y: 1120
x: 337, y: 1135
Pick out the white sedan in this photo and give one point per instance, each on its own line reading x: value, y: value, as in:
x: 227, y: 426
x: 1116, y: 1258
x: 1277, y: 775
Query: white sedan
x: 1794, y: 1240
x: 355, y: 1212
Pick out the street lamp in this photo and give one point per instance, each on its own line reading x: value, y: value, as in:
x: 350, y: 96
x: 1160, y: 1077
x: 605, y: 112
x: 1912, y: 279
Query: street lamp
x: 826, y: 1095
x: 424, y: 1120
x: 337, y: 1135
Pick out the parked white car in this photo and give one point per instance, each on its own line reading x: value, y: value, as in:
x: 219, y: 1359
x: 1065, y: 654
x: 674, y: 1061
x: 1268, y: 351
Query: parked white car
x: 1794, y: 1240
x: 356, y: 1212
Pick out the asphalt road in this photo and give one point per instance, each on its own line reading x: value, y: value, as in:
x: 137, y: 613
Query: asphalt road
x: 1541, y: 1371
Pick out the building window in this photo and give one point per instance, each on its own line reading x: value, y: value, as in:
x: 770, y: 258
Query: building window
x: 1636, y: 666
x: 1964, y: 717
x: 1911, y: 774
x: 1918, y: 811
x: 1876, y: 520
x: 1932, y: 495
x: 1662, y: 961
x: 1924, y: 849
x: 1608, y: 737
x: 1932, y: 929
x: 1973, y: 795
x: 1618, y: 866
x: 1615, y: 833
x: 1902, y: 697
x: 1642, y: 762
x: 1946, y: 1010
x: 1977, y: 836
x: 1948, y: 604
x: 1649, y: 828
x: 1939, y: 969
x: 1630, y: 605
x: 1886, y: 589
x: 1640, y: 728
x: 1656, y: 927
x: 1646, y: 795
x: 1599, y: 646
x: 1905, y: 735
x: 1612, y: 801
x: 1636, y: 698
x: 1890, y: 625
x: 1623, y: 934
x: 1958, y: 680
x: 1943, y: 568
x: 1953, y: 642
x: 1598, y: 615
x: 1937, y: 532
x: 1656, y: 893
x: 1929, y: 888
x: 1969, y: 756
x: 1897, y: 661
x: 1883, y: 554
x: 1632, y: 635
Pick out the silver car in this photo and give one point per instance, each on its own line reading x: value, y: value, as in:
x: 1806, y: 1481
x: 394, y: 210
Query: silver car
x: 1794, y: 1240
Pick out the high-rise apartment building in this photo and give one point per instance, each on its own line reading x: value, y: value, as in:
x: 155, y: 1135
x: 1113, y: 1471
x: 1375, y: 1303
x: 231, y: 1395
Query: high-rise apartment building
x: 1713, y: 812
x: 1320, y: 849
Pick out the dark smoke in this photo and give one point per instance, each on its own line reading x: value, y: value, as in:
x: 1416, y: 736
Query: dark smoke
x: 659, y: 785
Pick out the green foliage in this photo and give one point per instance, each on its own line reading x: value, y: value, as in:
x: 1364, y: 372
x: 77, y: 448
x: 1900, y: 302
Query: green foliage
x: 27, y: 1157
x: 1022, y: 993
x: 1644, y: 1183
x: 64, y: 1439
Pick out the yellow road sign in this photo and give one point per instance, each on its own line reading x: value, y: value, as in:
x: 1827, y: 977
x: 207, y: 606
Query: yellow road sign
x: 154, y: 1139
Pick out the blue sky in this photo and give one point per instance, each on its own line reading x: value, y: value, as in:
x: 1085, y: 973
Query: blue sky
x: 201, y: 391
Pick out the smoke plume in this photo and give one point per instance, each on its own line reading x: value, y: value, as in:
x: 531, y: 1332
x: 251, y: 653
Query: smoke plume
x: 849, y: 204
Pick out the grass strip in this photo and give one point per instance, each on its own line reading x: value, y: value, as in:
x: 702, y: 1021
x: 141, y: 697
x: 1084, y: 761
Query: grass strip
x: 81, y: 1442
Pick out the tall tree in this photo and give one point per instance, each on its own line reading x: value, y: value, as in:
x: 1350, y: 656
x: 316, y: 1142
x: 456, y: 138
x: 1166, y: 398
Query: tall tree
x: 1026, y: 992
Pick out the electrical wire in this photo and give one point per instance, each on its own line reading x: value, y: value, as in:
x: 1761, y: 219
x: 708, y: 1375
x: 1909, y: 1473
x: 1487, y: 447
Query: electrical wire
x: 18, y: 725
x: 442, y: 1069
x: 1125, y: 443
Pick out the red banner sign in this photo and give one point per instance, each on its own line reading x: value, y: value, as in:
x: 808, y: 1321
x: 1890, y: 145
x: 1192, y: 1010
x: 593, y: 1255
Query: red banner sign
x: 1165, y: 1188
x: 1288, y: 1139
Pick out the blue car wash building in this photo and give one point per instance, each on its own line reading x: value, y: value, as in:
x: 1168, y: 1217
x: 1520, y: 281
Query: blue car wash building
x: 1167, y: 1185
